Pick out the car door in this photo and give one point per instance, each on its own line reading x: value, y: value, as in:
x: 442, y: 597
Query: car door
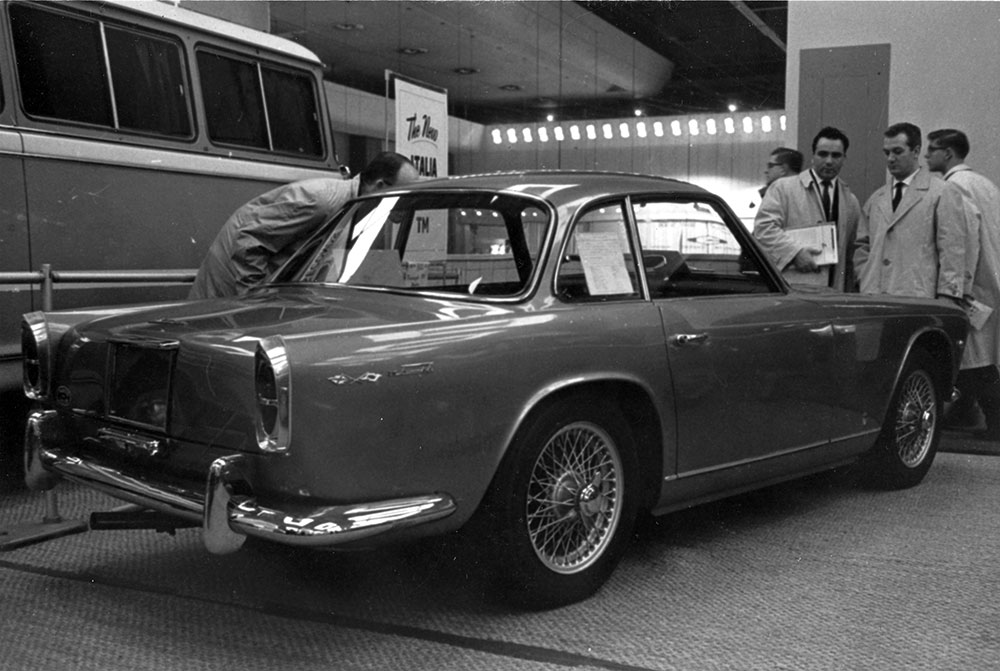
x: 752, y: 366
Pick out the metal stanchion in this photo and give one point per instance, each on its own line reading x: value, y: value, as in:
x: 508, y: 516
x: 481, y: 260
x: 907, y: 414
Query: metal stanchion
x: 52, y: 524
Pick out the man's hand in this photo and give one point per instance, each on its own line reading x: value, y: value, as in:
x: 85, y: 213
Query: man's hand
x: 960, y: 301
x: 805, y: 260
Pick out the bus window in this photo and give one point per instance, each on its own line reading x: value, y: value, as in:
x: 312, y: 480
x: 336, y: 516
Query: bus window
x: 63, y: 73
x: 290, y: 98
x: 237, y: 93
x: 58, y: 81
x: 148, y: 79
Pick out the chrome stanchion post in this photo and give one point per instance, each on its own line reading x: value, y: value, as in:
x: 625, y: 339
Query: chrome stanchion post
x: 52, y: 524
x: 47, y: 287
x: 51, y: 503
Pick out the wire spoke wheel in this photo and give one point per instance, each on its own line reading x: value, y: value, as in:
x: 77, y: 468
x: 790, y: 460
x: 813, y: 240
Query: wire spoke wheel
x: 906, y: 447
x: 916, y: 419
x: 560, y: 510
x: 573, y: 501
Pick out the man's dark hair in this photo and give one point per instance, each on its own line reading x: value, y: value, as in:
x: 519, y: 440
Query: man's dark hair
x: 831, y: 133
x: 952, y: 139
x: 911, y: 132
x: 788, y: 156
x: 384, y: 167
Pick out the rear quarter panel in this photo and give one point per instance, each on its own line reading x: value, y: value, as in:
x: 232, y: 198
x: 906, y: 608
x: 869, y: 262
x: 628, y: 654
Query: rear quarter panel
x: 386, y: 413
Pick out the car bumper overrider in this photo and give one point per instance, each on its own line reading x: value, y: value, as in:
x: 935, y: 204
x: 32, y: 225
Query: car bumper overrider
x: 226, y: 509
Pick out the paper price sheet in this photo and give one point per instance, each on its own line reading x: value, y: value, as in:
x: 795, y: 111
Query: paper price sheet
x: 822, y: 237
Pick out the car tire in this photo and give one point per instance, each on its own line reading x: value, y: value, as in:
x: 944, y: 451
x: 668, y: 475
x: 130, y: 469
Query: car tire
x: 563, y: 505
x: 905, y: 449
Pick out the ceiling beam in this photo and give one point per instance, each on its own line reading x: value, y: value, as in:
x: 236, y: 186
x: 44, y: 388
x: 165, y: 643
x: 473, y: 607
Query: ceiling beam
x: 759, y: 24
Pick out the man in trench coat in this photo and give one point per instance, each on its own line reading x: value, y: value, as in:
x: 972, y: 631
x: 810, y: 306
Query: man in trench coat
x: 979, y: 378
x: 913, y: 232
x: 797, y: 202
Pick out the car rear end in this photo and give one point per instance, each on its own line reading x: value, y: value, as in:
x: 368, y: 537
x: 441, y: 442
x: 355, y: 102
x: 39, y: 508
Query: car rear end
x: 186, y: 422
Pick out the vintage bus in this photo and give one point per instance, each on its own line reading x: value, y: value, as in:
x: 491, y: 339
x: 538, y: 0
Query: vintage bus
x: 129, y: 132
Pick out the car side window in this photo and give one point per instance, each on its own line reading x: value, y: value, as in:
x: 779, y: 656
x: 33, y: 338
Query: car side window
x: 689, y: 249
x: 598, y: 263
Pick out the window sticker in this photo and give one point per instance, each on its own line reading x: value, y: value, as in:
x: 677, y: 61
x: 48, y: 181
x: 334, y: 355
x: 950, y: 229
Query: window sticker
x: 603, y: 263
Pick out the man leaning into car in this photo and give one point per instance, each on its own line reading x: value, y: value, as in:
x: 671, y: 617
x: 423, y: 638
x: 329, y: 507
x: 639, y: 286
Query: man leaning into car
x: 262, y: 234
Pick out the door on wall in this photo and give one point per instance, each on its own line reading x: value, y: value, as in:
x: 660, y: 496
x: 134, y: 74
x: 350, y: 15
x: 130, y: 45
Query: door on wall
x: 848, y: 87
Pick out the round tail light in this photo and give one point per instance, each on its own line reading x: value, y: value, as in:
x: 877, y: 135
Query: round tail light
x: 272, y: 392
x: 35, y: 350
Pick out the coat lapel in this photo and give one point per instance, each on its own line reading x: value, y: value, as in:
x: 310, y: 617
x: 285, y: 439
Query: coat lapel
x: 912, y: 195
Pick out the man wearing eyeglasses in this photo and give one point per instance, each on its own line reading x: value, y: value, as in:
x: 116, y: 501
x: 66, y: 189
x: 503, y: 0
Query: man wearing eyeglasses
x: 782, y: 162
x: 813, y: 198
x: 979, y: 378
x: 914, y: 231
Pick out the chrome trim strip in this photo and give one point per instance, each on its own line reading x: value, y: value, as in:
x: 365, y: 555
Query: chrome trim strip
x: 185, y: 158
x: 740, y: 463
x: 145, y: 342
x: 131, y: 443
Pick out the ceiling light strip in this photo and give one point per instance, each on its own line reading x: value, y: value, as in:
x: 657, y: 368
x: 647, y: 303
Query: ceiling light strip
x: 704, y: 127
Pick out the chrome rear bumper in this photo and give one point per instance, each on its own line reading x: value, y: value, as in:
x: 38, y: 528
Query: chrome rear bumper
x: 226, y: 511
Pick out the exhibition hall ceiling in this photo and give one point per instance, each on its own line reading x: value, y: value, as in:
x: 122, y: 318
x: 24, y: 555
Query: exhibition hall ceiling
x: 521, y: 61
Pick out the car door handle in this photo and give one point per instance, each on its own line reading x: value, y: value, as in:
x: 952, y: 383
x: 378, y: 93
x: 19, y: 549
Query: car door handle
x: 690, y: 338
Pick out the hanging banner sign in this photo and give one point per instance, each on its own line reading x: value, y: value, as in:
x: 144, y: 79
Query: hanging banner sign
x: 422, y: 125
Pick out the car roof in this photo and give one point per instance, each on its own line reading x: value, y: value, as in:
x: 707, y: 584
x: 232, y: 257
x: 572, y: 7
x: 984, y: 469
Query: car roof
x: 561, y: 186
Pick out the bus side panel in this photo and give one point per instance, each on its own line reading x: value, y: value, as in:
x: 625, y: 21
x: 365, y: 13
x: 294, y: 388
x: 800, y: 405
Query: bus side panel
x: 88, y: 216
x: 14, y: 253
x: 14, y: 301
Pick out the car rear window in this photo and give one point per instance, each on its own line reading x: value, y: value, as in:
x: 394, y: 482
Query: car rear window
x: 481, y: 244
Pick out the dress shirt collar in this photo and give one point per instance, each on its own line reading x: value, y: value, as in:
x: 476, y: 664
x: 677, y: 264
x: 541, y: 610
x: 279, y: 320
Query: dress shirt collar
x: 908, y: 181
x: 819, y: 182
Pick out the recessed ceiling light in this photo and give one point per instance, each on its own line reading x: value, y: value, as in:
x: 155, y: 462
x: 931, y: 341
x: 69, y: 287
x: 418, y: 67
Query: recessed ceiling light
x: 465, y: 71
x: 412, y: 51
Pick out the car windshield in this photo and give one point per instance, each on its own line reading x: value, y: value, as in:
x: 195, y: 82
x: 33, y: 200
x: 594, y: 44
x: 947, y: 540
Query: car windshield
x: 471, y: 242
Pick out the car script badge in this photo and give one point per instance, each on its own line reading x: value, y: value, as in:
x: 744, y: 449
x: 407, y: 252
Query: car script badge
x: 371, y: 377
x: 347, y: 379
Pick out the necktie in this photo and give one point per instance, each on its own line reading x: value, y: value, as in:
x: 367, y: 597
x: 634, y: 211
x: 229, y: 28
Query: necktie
x: 826, y: 200
x: 897, y: 196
